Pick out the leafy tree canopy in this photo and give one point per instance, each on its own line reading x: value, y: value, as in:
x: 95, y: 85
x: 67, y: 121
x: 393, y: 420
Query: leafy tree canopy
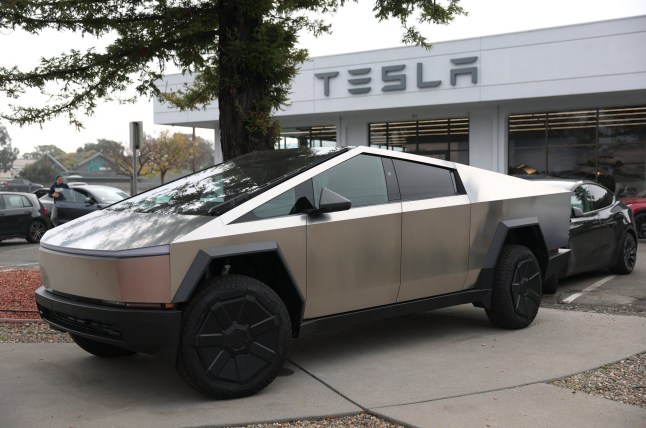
x: 166, y: 153
x: 242, y: 52
x: 71, y: 160
x: 39, y: 172
x: 8, y: 154
x: 49, y: 149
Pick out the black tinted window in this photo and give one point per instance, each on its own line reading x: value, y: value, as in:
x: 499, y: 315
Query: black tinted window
x: 293, y: 201
x: 599, y: 196
x: 360, y: 179
x: 421, y: 181
x: 580, y: 199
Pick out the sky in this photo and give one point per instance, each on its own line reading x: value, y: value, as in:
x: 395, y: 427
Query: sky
x: 354, y: 29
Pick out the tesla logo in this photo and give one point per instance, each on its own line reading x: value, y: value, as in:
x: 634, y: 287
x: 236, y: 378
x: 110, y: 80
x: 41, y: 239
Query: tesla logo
x: 360, y: 79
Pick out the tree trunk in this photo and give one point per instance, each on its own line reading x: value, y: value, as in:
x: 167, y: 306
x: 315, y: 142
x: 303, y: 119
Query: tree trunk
x: 243, y: 118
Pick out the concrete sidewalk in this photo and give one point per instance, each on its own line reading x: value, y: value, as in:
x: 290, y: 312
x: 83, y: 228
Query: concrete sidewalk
x: 443, y: 368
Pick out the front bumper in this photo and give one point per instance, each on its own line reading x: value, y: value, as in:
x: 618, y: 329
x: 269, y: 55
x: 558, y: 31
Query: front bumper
x: 149, y: 331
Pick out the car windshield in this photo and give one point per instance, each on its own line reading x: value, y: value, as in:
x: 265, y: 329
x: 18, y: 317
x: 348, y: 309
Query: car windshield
x: 217, y: 189
x: 107, y: 194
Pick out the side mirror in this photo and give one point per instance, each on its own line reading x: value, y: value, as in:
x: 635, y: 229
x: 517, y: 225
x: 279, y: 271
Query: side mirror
x: 330, y: 202
x: 90, y: 200
x: 576, y: 212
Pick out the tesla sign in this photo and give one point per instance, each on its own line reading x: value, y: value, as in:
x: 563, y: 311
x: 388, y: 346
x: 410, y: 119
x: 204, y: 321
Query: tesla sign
x: 394, y: 77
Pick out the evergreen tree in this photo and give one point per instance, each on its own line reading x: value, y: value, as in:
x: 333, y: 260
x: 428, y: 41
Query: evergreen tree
x: 243, y: 53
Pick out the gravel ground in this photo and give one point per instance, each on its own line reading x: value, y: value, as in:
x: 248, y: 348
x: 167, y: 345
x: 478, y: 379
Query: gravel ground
x: 623, y: 381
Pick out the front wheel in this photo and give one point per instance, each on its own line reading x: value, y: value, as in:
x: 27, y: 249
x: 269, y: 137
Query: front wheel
x: 100, y: 349
x: 236, y: 335
x: 516, y: 289
x: 36, y: 231
x: 626, y: 254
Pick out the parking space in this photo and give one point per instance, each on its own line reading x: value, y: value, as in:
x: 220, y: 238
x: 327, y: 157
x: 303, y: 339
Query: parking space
x: 384, y: 367
x: 18, y: 253
x: 448, y: 366
x: 603, y: 288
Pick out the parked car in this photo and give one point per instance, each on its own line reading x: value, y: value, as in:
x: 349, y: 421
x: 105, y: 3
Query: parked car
x: 19, y: 185
x: 602, y: 230
x: 82, y: 199
x: 40, y: 192
x: 22, y: 216
x: 217, y: 271
x: 637, y: 203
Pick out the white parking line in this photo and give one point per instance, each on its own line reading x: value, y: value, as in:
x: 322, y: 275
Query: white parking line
x: 588, y: 289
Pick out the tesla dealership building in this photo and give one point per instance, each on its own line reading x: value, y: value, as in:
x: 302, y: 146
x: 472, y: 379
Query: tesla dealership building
x: 564, y: 101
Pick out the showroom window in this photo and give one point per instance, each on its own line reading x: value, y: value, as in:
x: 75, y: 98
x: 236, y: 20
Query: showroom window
x: 604, y: 145
x: 438, y: 138
x: 307, y: 136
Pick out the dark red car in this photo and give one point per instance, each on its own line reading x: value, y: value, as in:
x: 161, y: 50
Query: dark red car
x: 637, y: 203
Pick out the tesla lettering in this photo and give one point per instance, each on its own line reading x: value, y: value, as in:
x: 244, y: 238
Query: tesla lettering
x: 360, y: 79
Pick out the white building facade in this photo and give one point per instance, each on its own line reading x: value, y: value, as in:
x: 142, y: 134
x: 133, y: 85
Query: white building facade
x: 565, y: 101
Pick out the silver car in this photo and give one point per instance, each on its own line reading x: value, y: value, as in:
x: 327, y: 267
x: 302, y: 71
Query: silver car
x: 219, y: 270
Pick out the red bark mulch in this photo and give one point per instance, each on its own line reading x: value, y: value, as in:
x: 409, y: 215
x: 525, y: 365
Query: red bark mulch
x: 17, y: 288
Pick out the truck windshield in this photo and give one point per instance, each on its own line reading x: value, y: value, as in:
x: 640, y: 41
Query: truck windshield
x: 219, y: 188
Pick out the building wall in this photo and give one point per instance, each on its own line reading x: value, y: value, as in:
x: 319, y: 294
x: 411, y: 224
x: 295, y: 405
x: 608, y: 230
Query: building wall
x: 598, y: 64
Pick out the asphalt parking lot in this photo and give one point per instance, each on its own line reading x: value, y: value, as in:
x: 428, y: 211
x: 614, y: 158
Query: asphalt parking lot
x: 441, y: 368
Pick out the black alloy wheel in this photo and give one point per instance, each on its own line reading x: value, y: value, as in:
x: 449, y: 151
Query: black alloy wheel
x: 516, y: 290
x: 236, y: 335
x: 626, y: 254
x: 36, y: 231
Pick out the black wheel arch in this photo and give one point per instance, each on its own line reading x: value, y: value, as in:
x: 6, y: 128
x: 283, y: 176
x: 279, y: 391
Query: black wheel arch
x: 526, y: 232
x: 263, y: 261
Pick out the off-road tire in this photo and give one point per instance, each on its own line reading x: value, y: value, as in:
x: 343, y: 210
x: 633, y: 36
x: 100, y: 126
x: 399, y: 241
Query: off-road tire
x: 100, y: 349
x: 236, y: 334
x: 36, y: 231
x: 516, y: 289
x: 626, y: 254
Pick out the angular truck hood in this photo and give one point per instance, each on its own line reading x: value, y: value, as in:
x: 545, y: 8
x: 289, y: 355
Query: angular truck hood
x: 118, y: 231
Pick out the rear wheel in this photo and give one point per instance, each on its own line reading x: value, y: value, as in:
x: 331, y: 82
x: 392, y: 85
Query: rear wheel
x: 100, y: 349
x: 36, y: 231
x: 236, y: 334
x: 626, y: 254
x: 516, y: 290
